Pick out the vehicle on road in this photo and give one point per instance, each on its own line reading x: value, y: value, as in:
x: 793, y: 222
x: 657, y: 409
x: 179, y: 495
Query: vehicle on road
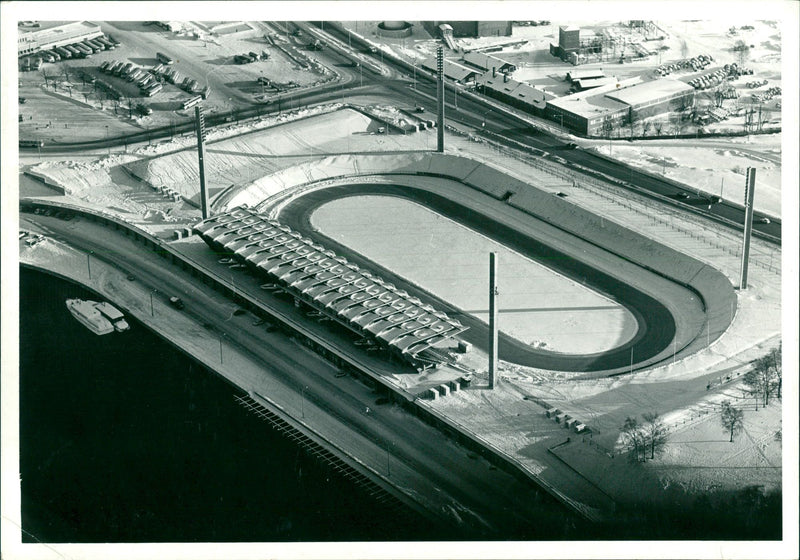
x: 164, y: 59
x: 31, y: 143
x: 682, y: 195
x: 571, y: 146
x: 176, y: 302
x: 764, y: 220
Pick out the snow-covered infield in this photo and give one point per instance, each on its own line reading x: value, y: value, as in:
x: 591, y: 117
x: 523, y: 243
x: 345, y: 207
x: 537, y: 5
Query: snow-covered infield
x: 538, y: 306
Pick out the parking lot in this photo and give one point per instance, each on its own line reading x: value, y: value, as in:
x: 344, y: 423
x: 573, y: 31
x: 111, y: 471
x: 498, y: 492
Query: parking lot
x: 75, y: 90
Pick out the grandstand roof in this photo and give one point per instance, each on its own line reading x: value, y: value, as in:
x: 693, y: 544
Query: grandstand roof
x: 343, y: 291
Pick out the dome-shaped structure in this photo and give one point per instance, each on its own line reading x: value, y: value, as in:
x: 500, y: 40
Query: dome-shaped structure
x: 394, y: 29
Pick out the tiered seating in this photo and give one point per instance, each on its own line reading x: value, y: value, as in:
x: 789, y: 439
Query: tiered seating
x: 329, y: 283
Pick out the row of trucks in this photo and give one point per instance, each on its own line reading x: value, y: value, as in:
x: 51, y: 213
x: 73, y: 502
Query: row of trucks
x: 147, y: 82
x: 247, y: 58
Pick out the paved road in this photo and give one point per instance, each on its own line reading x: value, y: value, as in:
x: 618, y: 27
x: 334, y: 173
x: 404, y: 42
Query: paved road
x: 487, y: 501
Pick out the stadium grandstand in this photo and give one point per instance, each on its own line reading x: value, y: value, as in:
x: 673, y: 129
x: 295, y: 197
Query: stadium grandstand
x: 328, y: 283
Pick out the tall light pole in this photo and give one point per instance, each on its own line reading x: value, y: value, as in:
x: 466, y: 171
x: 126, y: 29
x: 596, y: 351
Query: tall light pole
x: 493, y: 293
x: 107, y: 144
x: 89, y: 263
x: 152, y: 314
x: 303, y: 401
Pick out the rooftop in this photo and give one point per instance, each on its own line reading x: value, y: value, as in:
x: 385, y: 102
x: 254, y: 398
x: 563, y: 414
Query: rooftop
x: 594, y: 102
x: 51, y: 30
x: 452, y: 69
x: 485, y: 61
x: 648, y: 91
x: 336, y: 287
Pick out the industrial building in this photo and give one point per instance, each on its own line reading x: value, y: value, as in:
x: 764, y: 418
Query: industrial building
x: 517, y: 94
x: 595, y: 111
x: 488, y: 62
x: 452, y: 70
x: 326, y: 282
x: 472, y: 28
x: 655, y: 97
x: 31, y: 42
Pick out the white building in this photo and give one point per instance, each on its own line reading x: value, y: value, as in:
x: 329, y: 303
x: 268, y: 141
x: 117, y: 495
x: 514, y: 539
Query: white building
x: 30, y: 42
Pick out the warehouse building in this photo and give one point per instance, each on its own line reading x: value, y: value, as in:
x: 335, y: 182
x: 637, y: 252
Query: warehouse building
x: 517, y: 94
x: 586, y: 112
x: 592, y: 112
x: 31, y: 42
x: 452, y: 70
x: 472, y: 28
x: 487, y: 62
x: 655, y: 97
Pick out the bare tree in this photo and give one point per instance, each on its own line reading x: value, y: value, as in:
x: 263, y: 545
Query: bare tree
x: 655, y: 433
x: 633, y: 440
x: 742, y: 51
x: 658, y: 125
x: 608, y: 126
x: 645, y: 127
x: 766, y: 377
x: 732, y: 418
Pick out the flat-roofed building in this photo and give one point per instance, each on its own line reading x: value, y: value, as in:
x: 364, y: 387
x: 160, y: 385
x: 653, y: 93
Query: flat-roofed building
x: 655, y: 97
x: 585, y: 74
x: 472, y: 28
x: 587, y: 112
x: 613, y: 103
x: 569, y: 38
x: 47, y: 37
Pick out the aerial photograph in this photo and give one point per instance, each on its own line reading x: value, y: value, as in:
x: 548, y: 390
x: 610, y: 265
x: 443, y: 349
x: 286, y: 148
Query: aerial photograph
x: 391, y: 285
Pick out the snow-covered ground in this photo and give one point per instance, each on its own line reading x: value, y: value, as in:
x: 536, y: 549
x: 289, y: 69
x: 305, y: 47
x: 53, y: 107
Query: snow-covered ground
x: 602, y: 404
x: 714, y: 166
x: 538, y: 306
